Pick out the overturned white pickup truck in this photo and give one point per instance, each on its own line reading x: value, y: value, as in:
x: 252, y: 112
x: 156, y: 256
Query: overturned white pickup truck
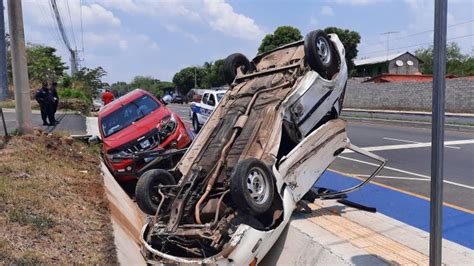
x: 271, y: 137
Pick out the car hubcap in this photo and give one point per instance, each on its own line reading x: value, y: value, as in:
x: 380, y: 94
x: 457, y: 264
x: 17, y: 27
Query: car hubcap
x: 257, y: 186
x: 323, y: 50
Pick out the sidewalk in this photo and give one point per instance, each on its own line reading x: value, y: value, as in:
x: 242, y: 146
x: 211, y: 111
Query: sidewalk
x: 334, y: 234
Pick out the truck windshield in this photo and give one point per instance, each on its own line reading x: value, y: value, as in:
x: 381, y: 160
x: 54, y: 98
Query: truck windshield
x: 128, y: 114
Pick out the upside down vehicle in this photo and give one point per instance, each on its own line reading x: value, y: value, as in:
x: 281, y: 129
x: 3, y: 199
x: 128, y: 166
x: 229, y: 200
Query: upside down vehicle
x: 268, y: 141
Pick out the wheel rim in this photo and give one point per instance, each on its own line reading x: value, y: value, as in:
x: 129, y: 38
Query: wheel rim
x: 257, y: 186
x: 324, y: 52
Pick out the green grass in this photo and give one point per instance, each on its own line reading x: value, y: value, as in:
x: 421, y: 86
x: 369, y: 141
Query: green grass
x: 25, y: 217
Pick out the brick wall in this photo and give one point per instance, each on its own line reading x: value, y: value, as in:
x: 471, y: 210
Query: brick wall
x: 412, y: 96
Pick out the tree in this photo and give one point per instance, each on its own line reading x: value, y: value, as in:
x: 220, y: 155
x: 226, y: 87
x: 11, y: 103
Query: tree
x: 42, y: 62
x: 89, y: 80
x: 350, y: 39
x: 281, y: 36
x: 184, y: 79
x: 214, y: 74
x: 456, y: 62
x: 119, y: 88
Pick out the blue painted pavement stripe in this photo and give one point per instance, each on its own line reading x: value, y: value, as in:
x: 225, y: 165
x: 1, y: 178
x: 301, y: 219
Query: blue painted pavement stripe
x: 458, y: 226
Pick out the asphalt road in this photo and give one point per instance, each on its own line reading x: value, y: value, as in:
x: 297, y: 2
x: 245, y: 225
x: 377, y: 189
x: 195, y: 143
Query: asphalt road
x: 70, y: 123
x: 407, y: 150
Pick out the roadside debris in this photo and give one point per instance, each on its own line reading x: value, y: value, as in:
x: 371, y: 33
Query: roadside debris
x: 267, y: 142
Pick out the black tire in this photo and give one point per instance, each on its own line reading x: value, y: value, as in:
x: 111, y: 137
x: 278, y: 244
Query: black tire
x: 146, y: 192
x: 260, y: 199
x: 196, y: 126
x: 232, y: 63
x: 320, y: 54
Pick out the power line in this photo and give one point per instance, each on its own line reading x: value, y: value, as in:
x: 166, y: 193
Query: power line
x: 46, y: 18
x: 72, y: 27
x: 64, y: 36
x: 422, y: 32
x: 82, y: 30
x: 60, y: 25
x: 419, y: 44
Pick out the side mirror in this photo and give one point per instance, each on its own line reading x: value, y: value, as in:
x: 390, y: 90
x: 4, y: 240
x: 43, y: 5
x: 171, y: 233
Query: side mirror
x: 94, y: 140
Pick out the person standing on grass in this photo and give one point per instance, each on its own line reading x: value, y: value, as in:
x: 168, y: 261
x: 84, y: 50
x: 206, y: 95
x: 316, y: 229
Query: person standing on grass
x: 43, y: 98
x: 107, y: 97
x: 54, y: 94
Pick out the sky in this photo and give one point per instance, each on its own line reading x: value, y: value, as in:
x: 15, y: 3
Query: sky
x: 159, y: 37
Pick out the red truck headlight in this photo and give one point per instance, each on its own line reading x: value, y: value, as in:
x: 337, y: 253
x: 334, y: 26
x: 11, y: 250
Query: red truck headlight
x: 167, y: 126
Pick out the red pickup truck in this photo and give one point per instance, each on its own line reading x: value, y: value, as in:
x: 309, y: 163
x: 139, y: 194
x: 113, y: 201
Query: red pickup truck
x: 134, y: 123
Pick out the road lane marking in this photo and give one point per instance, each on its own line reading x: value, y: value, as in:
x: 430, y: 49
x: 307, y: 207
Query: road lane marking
x: 396, y: 177
x: 407, y: 172
x: 416, y: 142
x: 403, y: 191
x: 411, y: 146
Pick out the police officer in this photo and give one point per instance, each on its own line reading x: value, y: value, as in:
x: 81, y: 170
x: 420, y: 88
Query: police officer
x: 45, y: 100
x: 42, y: 97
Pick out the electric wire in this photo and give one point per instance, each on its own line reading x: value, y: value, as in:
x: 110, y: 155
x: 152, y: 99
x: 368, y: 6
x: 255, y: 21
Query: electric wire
x: 419, y: 44
x: 418, y: 33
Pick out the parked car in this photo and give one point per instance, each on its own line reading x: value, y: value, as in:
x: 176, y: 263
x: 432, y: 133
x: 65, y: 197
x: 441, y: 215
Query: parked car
x: 138, y: 122
x: 269, y: 140
x: 202, y: 109
x: 178, y: 99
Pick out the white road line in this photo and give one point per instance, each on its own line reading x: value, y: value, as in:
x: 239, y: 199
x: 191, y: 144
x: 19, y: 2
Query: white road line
x: 407, y: 172
x: 402, y: 140
x: 414, y: 145
x: 396, y: 177
x: 409, y: 141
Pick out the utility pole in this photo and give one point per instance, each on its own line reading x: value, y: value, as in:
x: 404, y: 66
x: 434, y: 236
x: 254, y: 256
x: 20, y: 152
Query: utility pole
x: 388, y: 39
x: 20, y: 72
x: 73, y: 52
x: 3, y: 57
x: 437, y: 131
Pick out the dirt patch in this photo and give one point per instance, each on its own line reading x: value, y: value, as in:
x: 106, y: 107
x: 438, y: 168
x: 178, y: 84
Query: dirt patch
x: 53, y: 208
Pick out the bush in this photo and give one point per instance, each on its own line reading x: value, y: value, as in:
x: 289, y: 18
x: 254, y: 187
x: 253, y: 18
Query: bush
x: 68, y: 93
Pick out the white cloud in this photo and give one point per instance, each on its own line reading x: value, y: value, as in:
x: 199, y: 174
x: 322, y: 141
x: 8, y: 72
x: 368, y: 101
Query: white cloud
x: 223, y: 18
x: 327, y: 11
x: 176, y: 29
x: 356, y: 2
x: 218, y: 14
x: 95, y: 14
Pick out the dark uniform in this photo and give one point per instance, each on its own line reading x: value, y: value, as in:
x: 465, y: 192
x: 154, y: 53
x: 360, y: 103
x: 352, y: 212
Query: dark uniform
x: 45, y: 99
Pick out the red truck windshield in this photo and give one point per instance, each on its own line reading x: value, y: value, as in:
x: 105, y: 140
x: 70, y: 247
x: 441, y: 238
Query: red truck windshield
x: 128, y: 114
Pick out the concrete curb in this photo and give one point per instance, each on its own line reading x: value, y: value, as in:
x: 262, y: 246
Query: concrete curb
x: 462, y: 128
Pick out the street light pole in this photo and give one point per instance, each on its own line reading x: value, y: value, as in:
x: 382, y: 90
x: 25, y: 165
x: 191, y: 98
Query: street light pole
x: 20, y: 73
x: 437, y: 132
